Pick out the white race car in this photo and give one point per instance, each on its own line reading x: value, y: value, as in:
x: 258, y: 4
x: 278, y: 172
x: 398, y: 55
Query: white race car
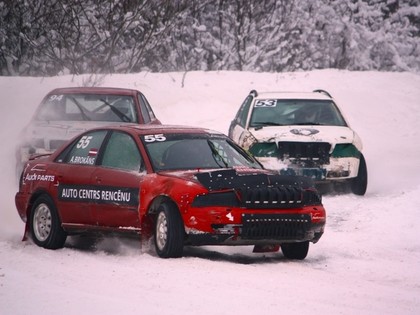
x: 302, y: 134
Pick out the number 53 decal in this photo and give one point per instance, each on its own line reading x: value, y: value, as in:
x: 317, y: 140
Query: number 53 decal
x: 153, y: 138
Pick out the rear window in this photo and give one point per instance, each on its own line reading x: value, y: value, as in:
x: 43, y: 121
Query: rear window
x: 87, y: 107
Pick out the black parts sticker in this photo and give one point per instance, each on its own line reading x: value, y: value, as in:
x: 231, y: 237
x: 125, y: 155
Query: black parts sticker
x: 99, y: 194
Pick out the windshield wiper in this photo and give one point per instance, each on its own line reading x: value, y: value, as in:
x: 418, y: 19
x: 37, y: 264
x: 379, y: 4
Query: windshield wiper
x: 307, y: 124
x: 216, y: 155
x: 261, y: 124
x: 117, y: 112
x: 81, y: 108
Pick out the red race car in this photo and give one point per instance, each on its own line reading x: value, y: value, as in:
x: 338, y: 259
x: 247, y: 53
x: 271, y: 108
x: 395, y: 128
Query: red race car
x: 180, y: 185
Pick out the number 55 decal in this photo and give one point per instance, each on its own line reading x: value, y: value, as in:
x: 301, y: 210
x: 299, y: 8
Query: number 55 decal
x: 153, y: 138
x: 84, y: 142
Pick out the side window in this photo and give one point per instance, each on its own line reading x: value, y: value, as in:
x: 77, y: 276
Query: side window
x: 149, y: 108
x: 84, y: 150
x: 243, y: 111
x: 52, y: 108
x: 143, y: 108
x: 121, y: 152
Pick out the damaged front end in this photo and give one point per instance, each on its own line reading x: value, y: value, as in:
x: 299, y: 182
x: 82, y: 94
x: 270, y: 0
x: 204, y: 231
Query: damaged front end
x: 251, y: 209
x: 318, y: 160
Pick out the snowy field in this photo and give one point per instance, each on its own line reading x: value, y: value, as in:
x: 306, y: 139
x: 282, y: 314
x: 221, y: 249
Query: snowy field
x: 367, y: 262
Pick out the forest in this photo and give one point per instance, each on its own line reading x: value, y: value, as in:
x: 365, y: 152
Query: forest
x: 54, y: 37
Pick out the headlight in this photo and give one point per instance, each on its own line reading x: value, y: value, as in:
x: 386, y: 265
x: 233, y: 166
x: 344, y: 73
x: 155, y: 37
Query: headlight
x: 345, y: 150
x: 264, y: 149
x: 220, y: 199
x: 246, y: 140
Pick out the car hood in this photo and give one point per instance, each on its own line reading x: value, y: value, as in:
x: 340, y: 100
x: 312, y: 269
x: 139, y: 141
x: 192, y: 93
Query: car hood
x: 221, y: 179
x: 331, y: 134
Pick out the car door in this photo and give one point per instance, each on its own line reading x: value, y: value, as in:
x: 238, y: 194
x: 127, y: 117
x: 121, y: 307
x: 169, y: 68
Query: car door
x: 117, y: 178
x: 237, y: 127
x: 76, y: 194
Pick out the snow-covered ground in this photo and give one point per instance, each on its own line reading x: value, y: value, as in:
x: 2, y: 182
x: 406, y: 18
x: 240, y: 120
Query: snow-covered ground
x: 367, y: 262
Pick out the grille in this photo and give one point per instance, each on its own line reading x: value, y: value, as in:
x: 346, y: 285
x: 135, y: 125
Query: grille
x: 317, y: 152
x: 271, y: 197
x: 275, y: 227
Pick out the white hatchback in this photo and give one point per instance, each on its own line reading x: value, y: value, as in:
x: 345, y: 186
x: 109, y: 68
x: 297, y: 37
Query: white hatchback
x: 302, y: 134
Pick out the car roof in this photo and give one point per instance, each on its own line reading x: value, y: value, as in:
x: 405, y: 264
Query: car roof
x: 94, y: 90
x: 293, y: 95
x: 156, y: 129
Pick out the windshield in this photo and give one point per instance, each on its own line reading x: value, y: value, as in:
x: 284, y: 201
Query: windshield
x: 190, y: 151
x: 95, y: 107
x: 280, y: 112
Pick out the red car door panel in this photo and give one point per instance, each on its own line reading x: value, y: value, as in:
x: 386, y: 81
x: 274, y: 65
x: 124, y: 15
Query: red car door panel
x: 118, y: 202
x: 73, y: 194
x: 74, y: 168
x: 118, y: 179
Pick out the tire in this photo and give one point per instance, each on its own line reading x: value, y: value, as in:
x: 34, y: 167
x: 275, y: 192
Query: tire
x: 358, y: 185
x: 45, y: 225
x: 169, y: 232
x: 297, y: 251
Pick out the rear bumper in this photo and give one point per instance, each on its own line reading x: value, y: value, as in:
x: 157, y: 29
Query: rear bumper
x: 21, y: 205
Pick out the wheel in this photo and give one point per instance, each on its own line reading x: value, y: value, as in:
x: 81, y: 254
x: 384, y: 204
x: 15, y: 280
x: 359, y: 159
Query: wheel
x: 358, y: 185
x: 169, y: 232
x: 295, y: 250
x: 45, y: 224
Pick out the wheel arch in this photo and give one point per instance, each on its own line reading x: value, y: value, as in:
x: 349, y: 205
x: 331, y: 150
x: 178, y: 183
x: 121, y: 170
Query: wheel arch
x: 34, y: 197
x: 44, y: 223
x: 149, y: 219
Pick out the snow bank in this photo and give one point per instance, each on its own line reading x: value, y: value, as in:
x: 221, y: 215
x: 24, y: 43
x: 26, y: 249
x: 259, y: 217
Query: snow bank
x: 367, y: 262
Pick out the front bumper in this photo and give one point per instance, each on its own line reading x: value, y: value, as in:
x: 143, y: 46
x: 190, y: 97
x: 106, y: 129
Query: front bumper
x: 239, y: 226
x: 261, y: 230
x: 337, y: 169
